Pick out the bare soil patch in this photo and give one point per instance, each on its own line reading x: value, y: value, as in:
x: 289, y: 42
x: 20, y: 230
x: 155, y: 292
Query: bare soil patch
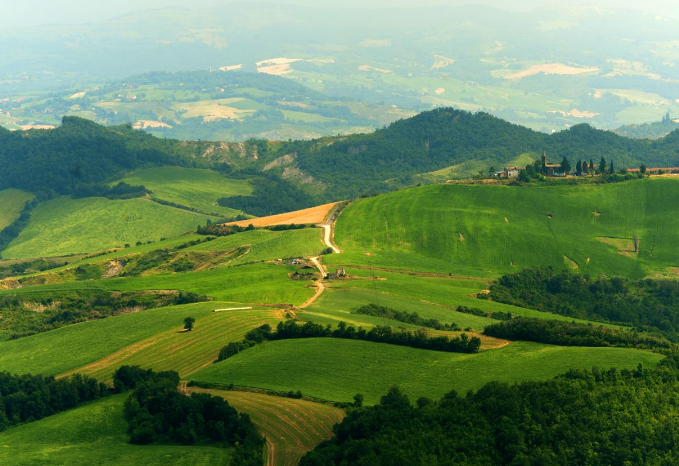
x: 551, y: 68
x: 313, y: 215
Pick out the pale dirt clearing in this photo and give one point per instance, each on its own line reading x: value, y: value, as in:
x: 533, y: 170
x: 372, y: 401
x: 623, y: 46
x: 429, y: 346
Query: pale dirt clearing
x: 575, y: 113
x: 372, y: 68
x: 441, y: 62
x: 277, y: 61
x: 276, y: 70
x: 551, y: 68
x: 144, y: 124
x: 78, y: 95
x: 231, y: 67
x: 27, y: 127
x: 440, y: 90
x: 311, y: 216
x: 212, y: 110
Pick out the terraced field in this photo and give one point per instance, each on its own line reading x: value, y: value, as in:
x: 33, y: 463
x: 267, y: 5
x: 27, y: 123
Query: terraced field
x: 292, y: 427
x: 336, y: 370
x: 483, y: 229
x: 95, y: 433
x: 181, y: 351
x: 191, y: 187
x: 68, y: 226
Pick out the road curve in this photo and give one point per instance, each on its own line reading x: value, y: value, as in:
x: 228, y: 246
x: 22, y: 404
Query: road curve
x: 327, y: 238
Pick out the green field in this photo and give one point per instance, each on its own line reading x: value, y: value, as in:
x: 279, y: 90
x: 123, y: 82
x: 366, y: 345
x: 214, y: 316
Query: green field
x: 292, y: 427
x: 481, y: 229
x: 191, y: 187
x: 184, y: 352
x: 12, y: 202
x: 336, y: 370
x: 95, y: 433
x: 265, y: 245
x: 68, y: 226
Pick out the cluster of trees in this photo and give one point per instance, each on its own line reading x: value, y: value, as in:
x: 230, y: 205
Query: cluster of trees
x: 60, y: 308
x: 595, y: 417
x: 27, y: 398
x: 651, y: 305
x: 404, y: 316
x: 379, y: 334
x: 606, y: 171
x: 572, y: 334
x: 220, y: 229
x: 121, y: 190
x: 156, y: 412
x: 475, y: 311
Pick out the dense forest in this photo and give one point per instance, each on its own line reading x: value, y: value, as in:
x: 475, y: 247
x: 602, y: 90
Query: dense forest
x: 596, y: 417
x: 648, y: 304
x: 433, y: 140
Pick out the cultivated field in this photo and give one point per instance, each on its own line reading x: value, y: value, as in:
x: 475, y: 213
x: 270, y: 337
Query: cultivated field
x: 292, y: 427
x: 95, y: 433
x: 181, y: 351
x: 336, y: 369
x: 307, y: 216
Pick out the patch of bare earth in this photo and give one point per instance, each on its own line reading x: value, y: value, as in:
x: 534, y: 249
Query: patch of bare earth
x: 625, y: 246
x: 551, y: 68
x: 311, y: 216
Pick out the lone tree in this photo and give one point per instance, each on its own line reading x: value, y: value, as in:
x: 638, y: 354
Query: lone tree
x: 578, y: 168
x: 642, y: 168
x: 188, y: 323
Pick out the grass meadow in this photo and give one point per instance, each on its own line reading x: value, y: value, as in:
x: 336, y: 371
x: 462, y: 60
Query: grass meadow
x: 336, y: 370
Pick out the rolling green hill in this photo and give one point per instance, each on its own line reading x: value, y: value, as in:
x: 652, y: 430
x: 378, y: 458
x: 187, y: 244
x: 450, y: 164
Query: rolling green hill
x: 95, y: 434
x: 473, y: 229
x: 338, y: 369
x: 67, y: 226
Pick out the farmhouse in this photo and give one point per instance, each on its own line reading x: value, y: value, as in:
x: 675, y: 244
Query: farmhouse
x: 511, y: 172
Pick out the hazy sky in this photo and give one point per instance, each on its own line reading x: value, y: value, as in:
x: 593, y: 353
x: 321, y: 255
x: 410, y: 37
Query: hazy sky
x: 18, y: 13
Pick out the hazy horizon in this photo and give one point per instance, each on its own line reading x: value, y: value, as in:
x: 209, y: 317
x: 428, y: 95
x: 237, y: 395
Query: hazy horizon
x: 31, y: 13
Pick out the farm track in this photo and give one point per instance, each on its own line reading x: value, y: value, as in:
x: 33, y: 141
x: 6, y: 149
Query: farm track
x: 292, y: 427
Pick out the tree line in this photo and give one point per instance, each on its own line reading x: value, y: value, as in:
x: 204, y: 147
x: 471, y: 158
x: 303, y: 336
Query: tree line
x: 413, y: 318
x: 27, y: 398
x: 379, y: 334
x: 583, y: 418
x: 650, y: 305
x: 556, y: 332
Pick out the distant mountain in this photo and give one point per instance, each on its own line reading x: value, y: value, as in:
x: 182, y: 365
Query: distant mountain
x: 350, y: 166
x: 81, y: 152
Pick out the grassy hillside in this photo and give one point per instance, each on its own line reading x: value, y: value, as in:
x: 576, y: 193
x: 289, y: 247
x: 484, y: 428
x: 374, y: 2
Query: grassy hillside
x: 338, y: 369
x: 196, y: 188
x: 477, y: 228
x: 95, y: 434
x: 67, y: 226
x: 184, y: 352
x: 12, y: 202
x: 77, y: 345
